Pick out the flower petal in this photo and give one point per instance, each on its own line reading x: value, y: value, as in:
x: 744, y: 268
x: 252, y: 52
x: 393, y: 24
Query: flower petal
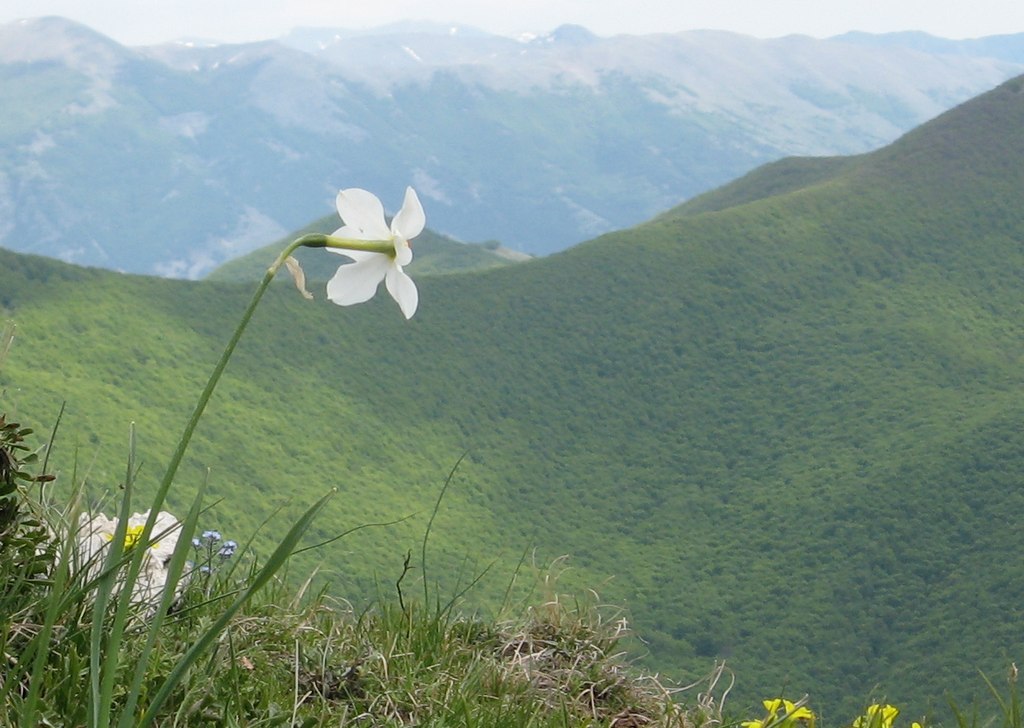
x: 363, y: 215
x: 403, y: 290
x: 166, y: 531
x: 94, y: 533
x: 298, y: 276
x: 357, y: 282
x: 403, y: 252
x: 98, y: 523
x: 410, y: 220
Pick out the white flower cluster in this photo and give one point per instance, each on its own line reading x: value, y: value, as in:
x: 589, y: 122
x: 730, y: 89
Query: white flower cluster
x: 96, y: 532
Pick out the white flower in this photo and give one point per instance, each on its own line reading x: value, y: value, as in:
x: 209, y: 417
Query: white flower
x: 96, y: 532
x: 363, y: 215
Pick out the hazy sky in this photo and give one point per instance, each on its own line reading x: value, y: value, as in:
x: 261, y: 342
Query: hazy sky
x: 135, y: 22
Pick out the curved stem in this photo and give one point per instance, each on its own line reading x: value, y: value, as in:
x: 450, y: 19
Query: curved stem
x: 313, y: 240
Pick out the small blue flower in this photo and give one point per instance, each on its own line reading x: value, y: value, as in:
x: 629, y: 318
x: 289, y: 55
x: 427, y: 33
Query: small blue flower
x: 196, y: 543
x: 227, y: 550
x: 211, y: 536
x: 205, y: 569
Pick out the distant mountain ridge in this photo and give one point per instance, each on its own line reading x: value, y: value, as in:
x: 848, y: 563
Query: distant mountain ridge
x: 1003, y: 47
x: 173, y: 159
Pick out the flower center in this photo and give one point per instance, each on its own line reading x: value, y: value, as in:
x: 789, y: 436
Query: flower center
x: 131, y: 536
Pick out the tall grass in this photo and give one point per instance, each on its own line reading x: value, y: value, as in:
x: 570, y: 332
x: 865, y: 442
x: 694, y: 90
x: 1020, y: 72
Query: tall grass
x: 238, y: 645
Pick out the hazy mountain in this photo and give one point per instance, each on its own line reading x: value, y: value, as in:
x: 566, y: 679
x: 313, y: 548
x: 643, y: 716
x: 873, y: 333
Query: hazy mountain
x: 1004, y: 47
x: 175, y: 158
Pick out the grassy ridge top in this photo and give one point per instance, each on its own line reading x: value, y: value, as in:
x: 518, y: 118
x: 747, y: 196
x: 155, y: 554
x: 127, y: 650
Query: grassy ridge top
x: 779, y: 423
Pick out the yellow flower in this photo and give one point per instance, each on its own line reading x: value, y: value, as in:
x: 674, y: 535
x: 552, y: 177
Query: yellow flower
x: 131, y: 536
x: 877, y: 716
x: 790, y: 713
x: 795, y: 713
x: 772, y: 706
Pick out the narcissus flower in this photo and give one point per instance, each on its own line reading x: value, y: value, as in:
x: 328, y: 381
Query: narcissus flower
x: 363, y: 215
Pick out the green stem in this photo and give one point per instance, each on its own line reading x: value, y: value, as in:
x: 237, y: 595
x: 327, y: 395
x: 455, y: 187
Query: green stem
x: 314, y: 240
x: 218, y: 370
x: 318, y: 240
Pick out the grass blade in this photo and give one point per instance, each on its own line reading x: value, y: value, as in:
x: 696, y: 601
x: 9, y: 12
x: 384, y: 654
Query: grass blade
x: 174, y: 571
x: 274, y: 563
x: 104, y: 659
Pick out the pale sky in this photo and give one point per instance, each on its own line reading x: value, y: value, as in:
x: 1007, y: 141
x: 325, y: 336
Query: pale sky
x: 139, y: 22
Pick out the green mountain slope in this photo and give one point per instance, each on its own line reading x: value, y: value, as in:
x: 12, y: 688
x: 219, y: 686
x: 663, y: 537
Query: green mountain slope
x: 782, y: 429
x: 434, y: 255
x: 786, y: 175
